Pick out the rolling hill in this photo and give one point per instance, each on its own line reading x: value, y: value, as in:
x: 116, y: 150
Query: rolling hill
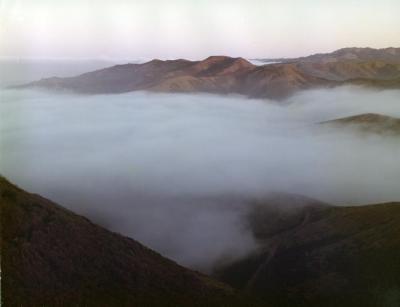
x: 53, y: 257
x: 388, y: 55
x: 310, y: 254
x: 227, y: 75
x: 321, y: 255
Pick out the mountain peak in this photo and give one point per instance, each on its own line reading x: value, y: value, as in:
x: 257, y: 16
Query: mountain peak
x: 222, y: 65
x: 224, y: 58
x: 223, y: 74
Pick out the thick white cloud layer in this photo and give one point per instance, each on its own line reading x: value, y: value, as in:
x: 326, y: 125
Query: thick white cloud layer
x: 158, y: 167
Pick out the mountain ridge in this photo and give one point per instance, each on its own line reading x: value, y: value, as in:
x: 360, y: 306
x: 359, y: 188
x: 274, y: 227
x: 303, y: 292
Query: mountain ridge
x: 329, y: 256
x: 228, y: 75
x: 53, y: 257
x: 310, y: 254
x: 389, y: 54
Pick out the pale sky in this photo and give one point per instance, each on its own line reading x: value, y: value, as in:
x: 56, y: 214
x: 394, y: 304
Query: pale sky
x: 193, y: 29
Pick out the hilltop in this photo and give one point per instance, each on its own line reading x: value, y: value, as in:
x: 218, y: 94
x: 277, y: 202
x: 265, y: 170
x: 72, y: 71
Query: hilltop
x: 227, y: 75
x: 368, y: 122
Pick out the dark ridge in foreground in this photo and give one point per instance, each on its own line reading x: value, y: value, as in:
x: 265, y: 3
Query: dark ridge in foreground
x: 311, y: 254
x: 368, y: 122
x: 53, y: 257
x: 226, y: 75
x: 322, y: 256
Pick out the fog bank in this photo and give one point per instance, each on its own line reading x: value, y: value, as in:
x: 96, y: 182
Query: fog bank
x: 164, y: 168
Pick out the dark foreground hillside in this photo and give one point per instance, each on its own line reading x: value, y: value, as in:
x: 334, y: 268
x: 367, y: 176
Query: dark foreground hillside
x: 322, y: 256
x: 311, y: 254
x: 53, y: 257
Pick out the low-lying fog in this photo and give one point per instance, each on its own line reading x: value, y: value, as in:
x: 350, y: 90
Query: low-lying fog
x: 158, y: 167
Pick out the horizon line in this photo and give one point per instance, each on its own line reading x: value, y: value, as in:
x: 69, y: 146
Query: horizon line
x: 143, y: 59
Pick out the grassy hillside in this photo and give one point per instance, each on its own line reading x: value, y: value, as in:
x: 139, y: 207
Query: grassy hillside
x: 311, y: 254
x: 53, y: 257
x: 329, y: 256
x: 227, y: 75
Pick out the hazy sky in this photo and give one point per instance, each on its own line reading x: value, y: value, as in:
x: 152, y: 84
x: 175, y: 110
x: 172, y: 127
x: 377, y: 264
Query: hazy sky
x: 193, y: 29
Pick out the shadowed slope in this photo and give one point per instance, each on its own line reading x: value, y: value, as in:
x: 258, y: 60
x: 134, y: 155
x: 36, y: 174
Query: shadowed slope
x: 329, y: 256
x: 53, y: 257
x: 311, y: 254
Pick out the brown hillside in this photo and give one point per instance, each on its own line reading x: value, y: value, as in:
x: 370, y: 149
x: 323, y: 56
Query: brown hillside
x: 53, y: 257
x: 224, y: 75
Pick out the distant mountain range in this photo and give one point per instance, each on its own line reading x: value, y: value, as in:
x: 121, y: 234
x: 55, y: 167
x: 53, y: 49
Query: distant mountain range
x: 388, y: 55
x: 310, y: 254
x: 378, y: 68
